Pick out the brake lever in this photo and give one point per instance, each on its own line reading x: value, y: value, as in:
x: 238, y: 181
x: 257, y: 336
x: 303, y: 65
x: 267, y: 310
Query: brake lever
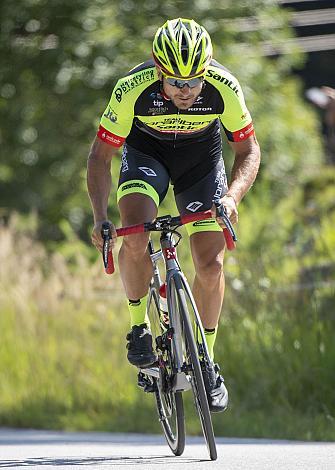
x: 106, y: 235
x: 221, y: 212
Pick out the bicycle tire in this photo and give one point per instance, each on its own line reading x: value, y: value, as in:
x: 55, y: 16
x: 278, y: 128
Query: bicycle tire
x: 198, y: 387
x: 169, y: 404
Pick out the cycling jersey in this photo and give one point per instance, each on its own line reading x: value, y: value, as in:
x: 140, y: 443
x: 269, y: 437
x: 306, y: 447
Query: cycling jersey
x: 167, y: 144
x: 138, y: 106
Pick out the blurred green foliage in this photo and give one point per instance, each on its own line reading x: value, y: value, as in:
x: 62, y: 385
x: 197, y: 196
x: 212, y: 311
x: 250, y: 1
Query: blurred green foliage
x: 61, y: 353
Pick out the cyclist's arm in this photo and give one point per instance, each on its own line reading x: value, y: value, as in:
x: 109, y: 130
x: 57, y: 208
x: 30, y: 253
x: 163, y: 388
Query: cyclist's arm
x: 99, y: 177
x: 238, y: 126
x: 245, y: 167
x: 115, y: 124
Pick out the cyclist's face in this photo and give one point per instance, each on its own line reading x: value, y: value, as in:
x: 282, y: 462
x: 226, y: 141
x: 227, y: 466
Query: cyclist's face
x: 184, y: 97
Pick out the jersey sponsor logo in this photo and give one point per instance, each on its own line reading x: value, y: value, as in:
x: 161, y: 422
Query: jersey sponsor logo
x: 110, y: 138
x: 124, y: 162
x: 244, y: 133
x: 221, y: 181
x: 133, y: 82
x: 147, y: 171
x: 200, y: 109
x: 134, y: 185
x: 233, y: 86
x: 194, y: 206
x: 178, y: 124
x: 156, y: 96
x: 157, y: 101
x: 199, y: 223
x: 118, y: 94
x: 154, y: 111
x: 111, y: 114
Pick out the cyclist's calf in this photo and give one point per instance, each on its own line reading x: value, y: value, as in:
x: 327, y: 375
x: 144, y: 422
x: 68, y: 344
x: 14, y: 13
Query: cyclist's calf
x: 135, y: 265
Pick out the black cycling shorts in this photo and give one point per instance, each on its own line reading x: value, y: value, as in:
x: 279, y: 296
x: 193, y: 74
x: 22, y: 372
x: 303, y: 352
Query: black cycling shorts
x: 141, y: 173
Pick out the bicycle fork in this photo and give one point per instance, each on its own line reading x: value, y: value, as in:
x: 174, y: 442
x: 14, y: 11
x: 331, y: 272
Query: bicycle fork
x: 181, y: 380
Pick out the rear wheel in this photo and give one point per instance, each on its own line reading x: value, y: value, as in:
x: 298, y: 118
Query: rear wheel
x: 183, y: 303
x: 168, y: 402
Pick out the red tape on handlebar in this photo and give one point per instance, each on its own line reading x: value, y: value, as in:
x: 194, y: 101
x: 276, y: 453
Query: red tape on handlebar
x: 110, y: 263
x: 229, y: 239
x: 121, y: 232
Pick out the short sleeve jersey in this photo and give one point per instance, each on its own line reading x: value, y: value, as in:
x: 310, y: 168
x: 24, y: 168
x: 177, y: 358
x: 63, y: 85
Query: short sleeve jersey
x: 137, y: 105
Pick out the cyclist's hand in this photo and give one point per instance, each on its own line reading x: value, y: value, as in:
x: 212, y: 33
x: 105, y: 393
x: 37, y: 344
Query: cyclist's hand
x: 97, y: 239
x: 230, y: 205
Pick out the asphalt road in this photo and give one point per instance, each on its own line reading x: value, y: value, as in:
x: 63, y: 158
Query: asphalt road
x: 63, y: 450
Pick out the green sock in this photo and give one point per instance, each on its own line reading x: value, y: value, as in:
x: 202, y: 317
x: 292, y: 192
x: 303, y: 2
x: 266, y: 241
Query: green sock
x: 210, y: 335
x: 138, y: 311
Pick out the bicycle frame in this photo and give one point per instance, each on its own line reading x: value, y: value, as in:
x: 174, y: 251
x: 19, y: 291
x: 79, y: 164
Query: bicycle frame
x: 177, y: 346
x: 169, y: 254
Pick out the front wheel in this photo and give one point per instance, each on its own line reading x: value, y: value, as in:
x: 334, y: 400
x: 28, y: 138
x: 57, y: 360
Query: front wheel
x: 169, y: 403
x: 181, y: 299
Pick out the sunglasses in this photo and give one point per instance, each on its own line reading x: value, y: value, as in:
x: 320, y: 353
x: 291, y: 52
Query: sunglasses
x: 180, y: 83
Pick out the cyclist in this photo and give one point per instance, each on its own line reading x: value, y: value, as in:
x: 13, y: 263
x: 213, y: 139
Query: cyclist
x: 166, y: 112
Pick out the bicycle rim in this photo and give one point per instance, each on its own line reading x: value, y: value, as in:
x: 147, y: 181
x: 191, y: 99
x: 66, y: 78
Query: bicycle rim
x: 198, y: 387
x: 169, y: 404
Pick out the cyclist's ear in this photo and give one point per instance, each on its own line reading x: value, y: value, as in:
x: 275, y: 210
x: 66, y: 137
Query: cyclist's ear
x: 159, y: 73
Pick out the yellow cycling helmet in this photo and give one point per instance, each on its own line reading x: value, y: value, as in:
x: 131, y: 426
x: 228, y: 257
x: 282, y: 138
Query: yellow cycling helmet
x: 182, y: 48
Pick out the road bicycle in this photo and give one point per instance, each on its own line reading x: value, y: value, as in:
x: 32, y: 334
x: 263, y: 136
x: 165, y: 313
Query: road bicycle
x: 178, y: 335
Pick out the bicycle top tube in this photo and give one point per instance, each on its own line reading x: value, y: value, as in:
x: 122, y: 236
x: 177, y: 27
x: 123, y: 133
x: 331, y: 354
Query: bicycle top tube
x: 165, y: 223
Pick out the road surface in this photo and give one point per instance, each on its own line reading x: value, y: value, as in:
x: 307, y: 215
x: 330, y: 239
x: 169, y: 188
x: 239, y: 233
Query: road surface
x: 65, y: 450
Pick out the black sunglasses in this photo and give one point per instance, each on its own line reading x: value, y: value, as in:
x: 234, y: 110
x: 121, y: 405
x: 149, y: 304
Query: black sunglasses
x: 180, y: 83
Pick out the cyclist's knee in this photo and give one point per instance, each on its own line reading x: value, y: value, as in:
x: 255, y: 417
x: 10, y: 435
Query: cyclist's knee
x: 209, y: 269
x: 135, y: 245
x: 137, y: 208
x: 207, y: 252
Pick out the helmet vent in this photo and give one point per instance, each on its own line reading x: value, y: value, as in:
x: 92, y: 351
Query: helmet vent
x: 184, y: 54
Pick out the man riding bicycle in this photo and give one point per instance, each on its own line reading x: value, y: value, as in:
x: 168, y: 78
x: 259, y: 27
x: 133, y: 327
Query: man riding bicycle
x: 166, y: 113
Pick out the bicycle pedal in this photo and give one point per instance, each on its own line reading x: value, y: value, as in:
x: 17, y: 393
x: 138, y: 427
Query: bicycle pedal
x: 144, y: 382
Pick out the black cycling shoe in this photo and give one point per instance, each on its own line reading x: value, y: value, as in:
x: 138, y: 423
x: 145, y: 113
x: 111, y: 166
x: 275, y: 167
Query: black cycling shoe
x: 217, y: 393
x: 140, y: 351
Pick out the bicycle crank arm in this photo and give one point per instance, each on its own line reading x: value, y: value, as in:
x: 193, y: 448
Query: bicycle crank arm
x: 152, y: 371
